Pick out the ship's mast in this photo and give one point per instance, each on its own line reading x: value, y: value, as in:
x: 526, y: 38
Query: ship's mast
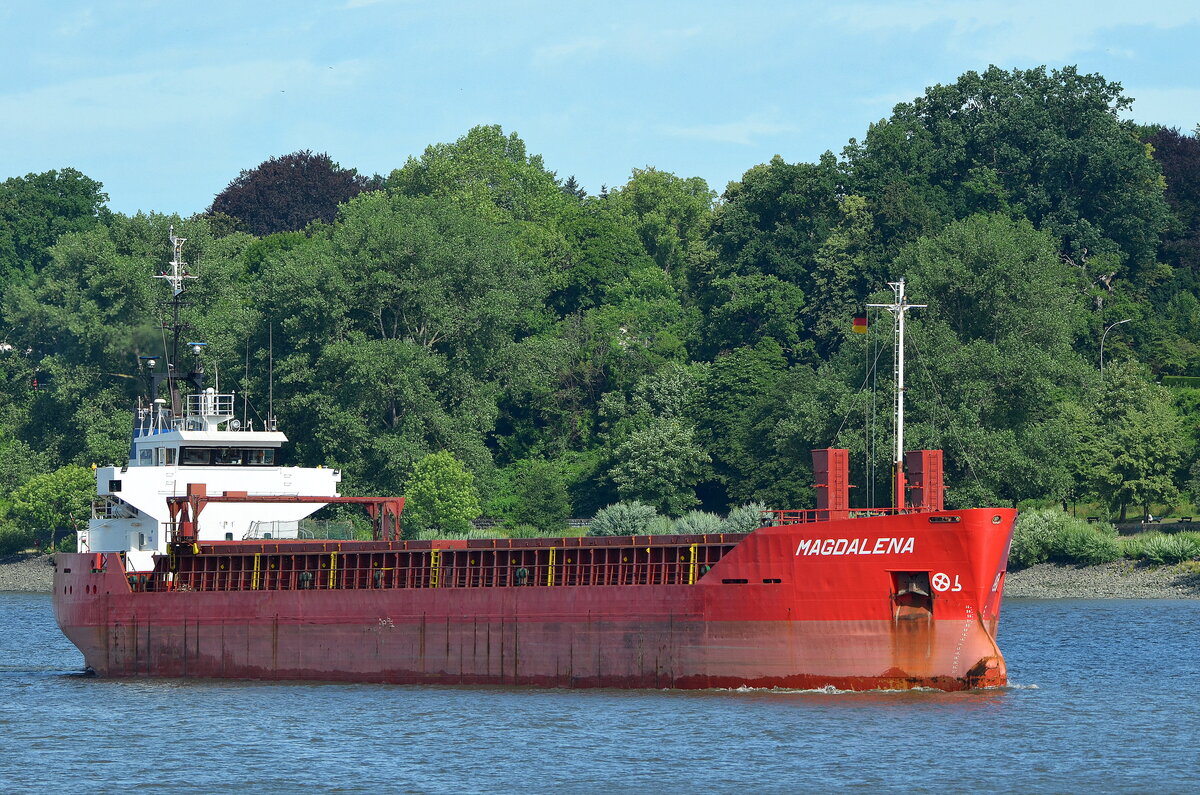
x: 175, y: 276
x: 898, y: 309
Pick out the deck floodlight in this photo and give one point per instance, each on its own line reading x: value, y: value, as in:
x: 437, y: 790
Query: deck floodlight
x: 197, y: 347
x: 149, y: 361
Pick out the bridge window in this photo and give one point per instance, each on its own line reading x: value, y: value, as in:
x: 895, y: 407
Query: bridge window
x: 195, y: 456
x: 227, y: 456
x: 260, y: 457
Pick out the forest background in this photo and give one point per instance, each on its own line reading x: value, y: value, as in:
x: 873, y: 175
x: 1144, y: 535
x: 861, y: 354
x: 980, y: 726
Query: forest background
x: 473, y: 319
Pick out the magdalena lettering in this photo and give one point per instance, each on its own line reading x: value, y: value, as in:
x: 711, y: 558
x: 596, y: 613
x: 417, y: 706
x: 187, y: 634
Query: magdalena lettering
x: 855, y: 546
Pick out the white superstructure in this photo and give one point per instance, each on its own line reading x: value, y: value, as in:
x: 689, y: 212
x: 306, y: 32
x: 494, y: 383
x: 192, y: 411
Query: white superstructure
x: 199, y: 441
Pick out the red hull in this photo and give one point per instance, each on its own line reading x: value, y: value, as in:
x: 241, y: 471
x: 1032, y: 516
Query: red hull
x: 796, y: 606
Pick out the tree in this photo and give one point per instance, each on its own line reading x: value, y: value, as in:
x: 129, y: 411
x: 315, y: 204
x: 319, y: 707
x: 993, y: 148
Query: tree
x: 541, y: 498
x: 775, y: 219
x: 603, y: 250
x: 286, y: 193
x: 765, y: 238
x: 1049, y: 146
x: 732, y: 395
x: 35, y: 210
x: 670, y: 214
x: 660, y: 465
x: 1178, y: 154
x: 441, y: 496
x: 487, y: 172
x: 53, y: 503
x: 1132, y: 441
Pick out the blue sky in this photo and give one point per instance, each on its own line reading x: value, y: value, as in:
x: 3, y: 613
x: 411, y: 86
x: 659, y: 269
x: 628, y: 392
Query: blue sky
x: 165, y: 102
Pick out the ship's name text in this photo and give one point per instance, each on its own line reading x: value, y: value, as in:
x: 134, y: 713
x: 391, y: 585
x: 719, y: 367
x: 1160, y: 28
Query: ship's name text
x: 855, y: 546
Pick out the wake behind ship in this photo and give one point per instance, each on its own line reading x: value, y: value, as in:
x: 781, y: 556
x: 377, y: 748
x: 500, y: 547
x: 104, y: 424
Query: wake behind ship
x: 194, y: 565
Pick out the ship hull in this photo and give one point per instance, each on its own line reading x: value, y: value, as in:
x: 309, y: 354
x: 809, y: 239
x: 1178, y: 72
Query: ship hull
x: 787, y: 607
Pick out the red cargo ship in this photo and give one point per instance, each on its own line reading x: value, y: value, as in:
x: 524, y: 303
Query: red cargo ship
x: 903, y: 597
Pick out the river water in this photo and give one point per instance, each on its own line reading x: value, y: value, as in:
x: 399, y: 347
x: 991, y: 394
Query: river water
x: 1104, y: 700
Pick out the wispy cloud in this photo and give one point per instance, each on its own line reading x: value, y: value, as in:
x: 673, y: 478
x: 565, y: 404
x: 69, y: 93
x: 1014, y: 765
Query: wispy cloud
x: 635, y: 41
x: 581, y: 47
x: 151, y: 101
x: 745, y: 132
x: 1015, y: 29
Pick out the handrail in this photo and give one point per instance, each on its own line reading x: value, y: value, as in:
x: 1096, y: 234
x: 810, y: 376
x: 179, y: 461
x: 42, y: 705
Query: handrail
x: 778, y: 518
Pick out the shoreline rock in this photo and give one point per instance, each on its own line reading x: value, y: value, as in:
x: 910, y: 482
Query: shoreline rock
x: 29, y: 572
x: 1123, y: 579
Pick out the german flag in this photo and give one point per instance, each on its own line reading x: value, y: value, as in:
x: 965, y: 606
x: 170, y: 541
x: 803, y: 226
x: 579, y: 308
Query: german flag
x: 860, y: 324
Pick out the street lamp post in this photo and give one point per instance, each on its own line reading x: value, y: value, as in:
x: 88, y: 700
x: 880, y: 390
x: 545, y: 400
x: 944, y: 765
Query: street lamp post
x: 1105, y: 334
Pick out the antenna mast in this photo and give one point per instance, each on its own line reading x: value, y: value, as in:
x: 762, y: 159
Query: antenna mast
x: 898, y: 309
x: 174, y: 277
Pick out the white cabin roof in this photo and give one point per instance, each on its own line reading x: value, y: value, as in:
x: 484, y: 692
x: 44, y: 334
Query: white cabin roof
x: 215, y: 438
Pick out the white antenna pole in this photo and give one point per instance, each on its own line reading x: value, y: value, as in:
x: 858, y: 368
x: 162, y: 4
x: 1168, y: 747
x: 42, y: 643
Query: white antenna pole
x: 898, y: 309
x: 178, y: 270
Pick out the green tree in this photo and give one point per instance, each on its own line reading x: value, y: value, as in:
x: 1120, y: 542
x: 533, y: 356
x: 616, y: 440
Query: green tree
x: 488, y: 172
x: 441, y: 495
x: 737, y: 390
x: 541, y: 499
x: 660, y: 465
x: 1048, y: 146
x: 37, y: 209
x: 993, y: 356
x: 53, y: 503
x: 766, y: 235
x: 1132, y: 441
x: 670, y: 214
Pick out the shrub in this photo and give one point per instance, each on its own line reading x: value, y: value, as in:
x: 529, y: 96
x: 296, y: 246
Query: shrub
x: 1031, y: 538
x: 434, y: 534
x: 623, y: 519
x: 660, y: 526
x: 524, y: 531
x: 1133, y: 547
x: 1171, y: 549
x: 1084, y: 543
x: 14, y: 538
x: 697, y: 523
x: 1051, y: 535
x: 744, y: 518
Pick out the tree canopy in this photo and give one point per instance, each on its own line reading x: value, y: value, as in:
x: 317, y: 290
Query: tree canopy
x: 484, y: 336
x: 287, y: 193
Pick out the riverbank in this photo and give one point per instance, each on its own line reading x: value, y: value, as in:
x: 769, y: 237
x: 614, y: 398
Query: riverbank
x: 30, y: 572
x: 1124, y: 579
